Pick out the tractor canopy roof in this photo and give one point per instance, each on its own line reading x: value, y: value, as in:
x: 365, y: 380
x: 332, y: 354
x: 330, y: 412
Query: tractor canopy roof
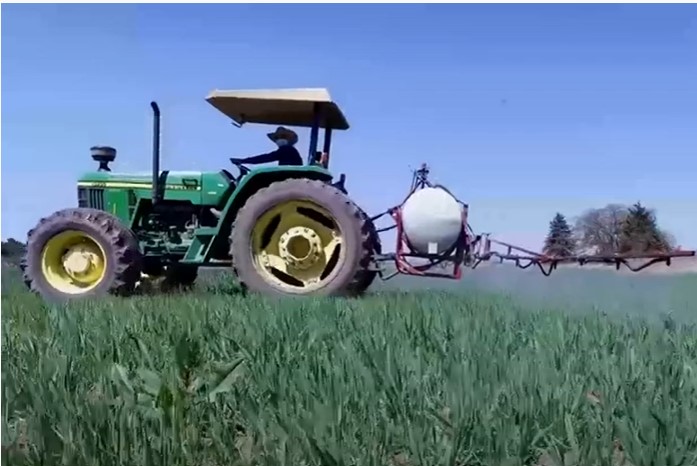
x: 291, y: 107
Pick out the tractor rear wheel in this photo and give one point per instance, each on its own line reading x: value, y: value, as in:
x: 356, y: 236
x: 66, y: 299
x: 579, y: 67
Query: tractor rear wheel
x: 300, y: 237
x: 81, y: 252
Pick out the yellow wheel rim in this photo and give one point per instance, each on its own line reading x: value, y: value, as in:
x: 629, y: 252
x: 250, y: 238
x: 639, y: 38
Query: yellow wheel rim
x: 296, y: 246
x: 72, y: 262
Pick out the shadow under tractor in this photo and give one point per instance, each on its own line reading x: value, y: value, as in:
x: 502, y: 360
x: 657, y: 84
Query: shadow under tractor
x: 283, y: 230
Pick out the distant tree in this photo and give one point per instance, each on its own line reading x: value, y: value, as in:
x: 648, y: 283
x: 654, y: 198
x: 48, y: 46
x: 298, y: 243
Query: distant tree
x: 599, y: 230
x: 641, y: 234
x: 12, y: 251
x: 560, y: 241
x: 670, y: 239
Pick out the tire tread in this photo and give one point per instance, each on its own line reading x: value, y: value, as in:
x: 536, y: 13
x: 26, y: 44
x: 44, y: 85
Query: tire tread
x: 357, y: 285
x: 127, y: 255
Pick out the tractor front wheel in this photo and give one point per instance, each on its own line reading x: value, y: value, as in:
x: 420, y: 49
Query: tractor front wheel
x: 300, y: 237
x: 81, y: 252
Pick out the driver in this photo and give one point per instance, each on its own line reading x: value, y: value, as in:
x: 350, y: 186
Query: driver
x: 286, y: 154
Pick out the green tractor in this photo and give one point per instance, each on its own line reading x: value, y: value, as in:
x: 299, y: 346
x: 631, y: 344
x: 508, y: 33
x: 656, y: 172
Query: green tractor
x: 284, y: 230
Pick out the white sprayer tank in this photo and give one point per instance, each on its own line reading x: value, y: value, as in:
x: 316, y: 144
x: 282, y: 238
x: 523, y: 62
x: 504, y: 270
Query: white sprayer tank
x: 432, y: 220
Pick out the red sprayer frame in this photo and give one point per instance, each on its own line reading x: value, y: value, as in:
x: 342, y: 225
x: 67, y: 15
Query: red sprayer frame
x: 471, y: 250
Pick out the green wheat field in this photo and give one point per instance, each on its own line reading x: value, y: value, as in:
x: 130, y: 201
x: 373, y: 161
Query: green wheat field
x: 504, y: 368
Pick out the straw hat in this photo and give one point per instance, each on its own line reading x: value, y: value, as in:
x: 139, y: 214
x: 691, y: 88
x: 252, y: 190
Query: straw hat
x: 284, y: 133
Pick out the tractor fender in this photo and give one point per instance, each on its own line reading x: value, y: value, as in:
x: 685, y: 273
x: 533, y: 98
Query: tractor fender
x: 247, y: 186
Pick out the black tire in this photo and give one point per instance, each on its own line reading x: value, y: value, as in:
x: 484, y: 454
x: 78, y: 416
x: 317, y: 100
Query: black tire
x: 179, y: 278
x: 120, y: 245
x: 356, y: 248
x: 365, y: 277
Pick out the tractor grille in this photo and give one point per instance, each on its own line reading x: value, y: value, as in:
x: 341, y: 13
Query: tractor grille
x: 90, y: 197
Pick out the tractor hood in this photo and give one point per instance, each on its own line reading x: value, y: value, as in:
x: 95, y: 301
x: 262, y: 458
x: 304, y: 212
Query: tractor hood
x: 142, y: 180
x: 194, y: 186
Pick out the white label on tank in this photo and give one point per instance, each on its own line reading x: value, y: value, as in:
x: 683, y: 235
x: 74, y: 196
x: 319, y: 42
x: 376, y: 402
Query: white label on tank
x: 432, y: 248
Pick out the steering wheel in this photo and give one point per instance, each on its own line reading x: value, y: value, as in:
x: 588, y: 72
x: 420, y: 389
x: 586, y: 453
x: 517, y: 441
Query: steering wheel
x: 243, y: 170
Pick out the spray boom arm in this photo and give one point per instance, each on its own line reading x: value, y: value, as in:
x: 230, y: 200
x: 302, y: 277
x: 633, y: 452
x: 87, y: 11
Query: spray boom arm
x: 471, y: 249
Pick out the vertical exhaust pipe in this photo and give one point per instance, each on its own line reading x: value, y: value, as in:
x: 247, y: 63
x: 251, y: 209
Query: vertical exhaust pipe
x: 155, y: 152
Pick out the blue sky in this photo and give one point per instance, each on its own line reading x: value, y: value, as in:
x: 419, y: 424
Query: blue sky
x: 521, y: 110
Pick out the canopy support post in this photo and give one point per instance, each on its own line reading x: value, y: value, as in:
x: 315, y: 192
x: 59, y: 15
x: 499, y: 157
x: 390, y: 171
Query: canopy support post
x: 314, y: 134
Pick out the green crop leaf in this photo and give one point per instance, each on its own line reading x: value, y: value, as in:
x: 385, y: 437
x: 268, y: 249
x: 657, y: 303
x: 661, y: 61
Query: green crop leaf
x: 227, y: 382
x: 119, y: 375
x: 570, y: 434
x: 143, y: 350
x: 165, y: 398
x: 151, y: 381
x: 195, y: 385
x: 188, y: 355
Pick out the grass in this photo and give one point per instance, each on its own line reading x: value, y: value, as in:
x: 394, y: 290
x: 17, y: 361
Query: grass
x: 401, y: 379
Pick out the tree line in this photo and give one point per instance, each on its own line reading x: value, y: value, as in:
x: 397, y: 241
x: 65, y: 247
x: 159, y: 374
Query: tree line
x: 613, y: 229
x: 12, y: 251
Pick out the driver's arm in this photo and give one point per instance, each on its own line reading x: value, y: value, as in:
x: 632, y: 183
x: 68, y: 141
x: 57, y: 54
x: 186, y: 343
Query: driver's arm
x: 262, y: 158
